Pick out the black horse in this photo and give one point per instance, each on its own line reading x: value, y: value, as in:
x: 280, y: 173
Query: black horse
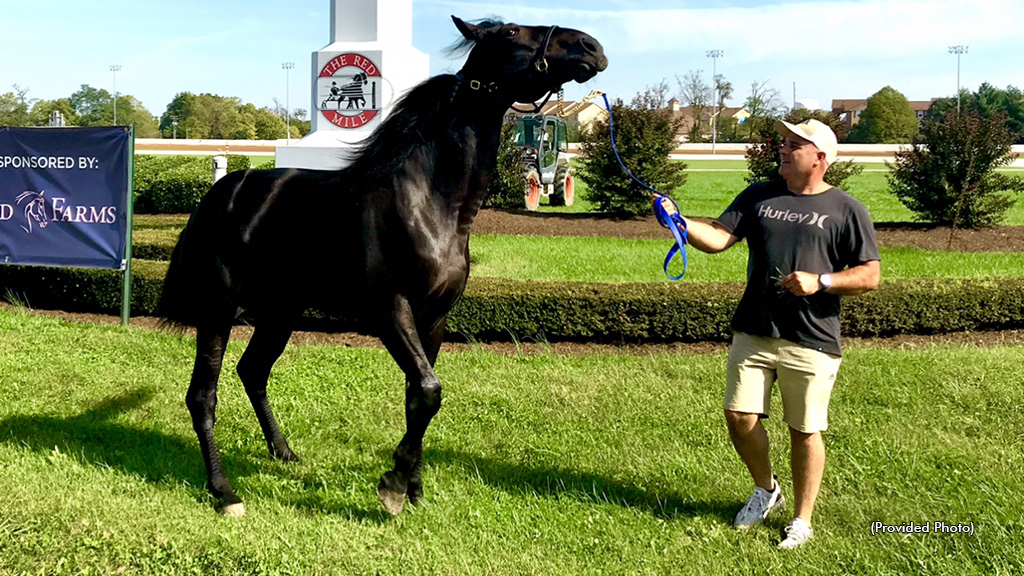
x: 385, y: 239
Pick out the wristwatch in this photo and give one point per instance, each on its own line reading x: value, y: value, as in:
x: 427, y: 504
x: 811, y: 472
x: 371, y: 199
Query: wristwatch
x: 825, y: 280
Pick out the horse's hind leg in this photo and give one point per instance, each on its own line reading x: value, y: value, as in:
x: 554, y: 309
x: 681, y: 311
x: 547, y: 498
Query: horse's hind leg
x: 201, y: 399
x: 265, y: 347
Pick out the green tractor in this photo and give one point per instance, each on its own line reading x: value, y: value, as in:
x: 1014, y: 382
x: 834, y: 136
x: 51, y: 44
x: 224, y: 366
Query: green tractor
x: 545, y: 145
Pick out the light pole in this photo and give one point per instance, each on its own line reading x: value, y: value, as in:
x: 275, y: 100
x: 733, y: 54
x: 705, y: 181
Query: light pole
x: 174, y: 126
x: 115, y: 68
x: 714, y: 55
x: 287, y: 106
x: 958, y: 50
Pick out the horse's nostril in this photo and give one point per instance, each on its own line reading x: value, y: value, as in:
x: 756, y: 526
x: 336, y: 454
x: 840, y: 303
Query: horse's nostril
x: 588, y: 44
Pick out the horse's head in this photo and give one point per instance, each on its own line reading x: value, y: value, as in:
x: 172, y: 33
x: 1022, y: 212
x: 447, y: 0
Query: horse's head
x: 35, y: 209
x: 523, y: 63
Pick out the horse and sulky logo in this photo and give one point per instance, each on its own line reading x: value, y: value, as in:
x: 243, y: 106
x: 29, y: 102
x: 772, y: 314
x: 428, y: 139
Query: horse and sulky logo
x: 349, y: 90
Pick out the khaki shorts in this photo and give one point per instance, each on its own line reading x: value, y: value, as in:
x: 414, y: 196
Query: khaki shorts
x: 805, y: 378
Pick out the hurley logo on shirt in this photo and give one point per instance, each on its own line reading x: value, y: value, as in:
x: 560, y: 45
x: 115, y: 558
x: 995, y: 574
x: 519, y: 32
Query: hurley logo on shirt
x: 812, y: 219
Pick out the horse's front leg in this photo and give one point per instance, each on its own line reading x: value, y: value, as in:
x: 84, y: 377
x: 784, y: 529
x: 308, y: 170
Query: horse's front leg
x: 422, y: 401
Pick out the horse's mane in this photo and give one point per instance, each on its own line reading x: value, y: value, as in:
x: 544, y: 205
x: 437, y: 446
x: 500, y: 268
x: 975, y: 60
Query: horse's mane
x: 424, y: 114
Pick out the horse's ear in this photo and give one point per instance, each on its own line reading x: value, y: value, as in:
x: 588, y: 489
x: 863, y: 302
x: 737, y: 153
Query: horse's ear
x: 469, y: 31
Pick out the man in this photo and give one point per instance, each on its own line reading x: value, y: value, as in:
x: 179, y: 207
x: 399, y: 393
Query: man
x: 809, y: 244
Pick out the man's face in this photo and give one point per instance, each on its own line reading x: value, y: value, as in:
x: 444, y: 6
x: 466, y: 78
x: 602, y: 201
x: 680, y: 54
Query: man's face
x: 799, y: 156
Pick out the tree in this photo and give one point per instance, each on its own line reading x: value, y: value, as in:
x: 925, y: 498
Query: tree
x: 40, y: 115
x: 985, y: 102
x: 506, y: 188
x: 724, y: 88
x: 887, y: 119
x: 696, y: 94
x: 950, y: 176
x: 95, y: 107
x: 14, y: 108
x: 263, y: 123
x: 644, y: 136
x: 763, y: 159
x: 764, y: 106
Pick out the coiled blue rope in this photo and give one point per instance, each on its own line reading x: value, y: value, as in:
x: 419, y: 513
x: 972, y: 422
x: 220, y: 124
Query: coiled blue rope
x: 665, y: 208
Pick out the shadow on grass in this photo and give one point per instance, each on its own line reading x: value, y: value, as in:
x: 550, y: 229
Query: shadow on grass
x: 94, y: 437
x: 156, y: 457
x: 557, y: 483
x: 97, y: 439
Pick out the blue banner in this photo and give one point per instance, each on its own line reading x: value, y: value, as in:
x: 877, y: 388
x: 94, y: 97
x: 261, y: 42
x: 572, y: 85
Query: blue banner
x: 64, y: 196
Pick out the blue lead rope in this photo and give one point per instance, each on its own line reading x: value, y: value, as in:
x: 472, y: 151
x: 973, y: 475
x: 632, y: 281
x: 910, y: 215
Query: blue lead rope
x: 665, y: 208
x: 667, y: 212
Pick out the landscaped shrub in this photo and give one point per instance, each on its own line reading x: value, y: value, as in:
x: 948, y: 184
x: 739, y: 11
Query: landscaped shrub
x: 644, y: 137
x: 237, y: 162
x: 178, y: 190
x: 506, y: 189
x: 174, y: 184
x: 503, y: 309
x: 950, y: 176
x: 148, y: 168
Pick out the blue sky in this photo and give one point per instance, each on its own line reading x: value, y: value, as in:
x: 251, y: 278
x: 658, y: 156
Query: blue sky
x: 828, y: 48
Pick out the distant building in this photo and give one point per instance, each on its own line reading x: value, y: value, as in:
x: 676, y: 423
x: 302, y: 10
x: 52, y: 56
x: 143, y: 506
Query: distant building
x: 686, y: 115
x: 849, y: 111
x: 582, y: 114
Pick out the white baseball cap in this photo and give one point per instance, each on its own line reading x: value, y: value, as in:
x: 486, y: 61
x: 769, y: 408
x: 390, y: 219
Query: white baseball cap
x: 817, y: 132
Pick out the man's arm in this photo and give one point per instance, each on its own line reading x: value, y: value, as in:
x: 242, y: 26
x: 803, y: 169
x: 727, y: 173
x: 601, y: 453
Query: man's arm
x: 710, y: 238
x: 855, y: 280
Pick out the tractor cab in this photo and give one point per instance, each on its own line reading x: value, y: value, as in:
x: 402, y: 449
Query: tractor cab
x: 545, y: 145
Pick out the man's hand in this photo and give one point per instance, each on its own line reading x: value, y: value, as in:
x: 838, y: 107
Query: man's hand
x: 801, y: 283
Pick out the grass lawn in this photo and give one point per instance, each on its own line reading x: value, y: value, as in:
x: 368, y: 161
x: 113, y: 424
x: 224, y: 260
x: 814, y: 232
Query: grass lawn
x: 589, y: 259
x: 535, y: 465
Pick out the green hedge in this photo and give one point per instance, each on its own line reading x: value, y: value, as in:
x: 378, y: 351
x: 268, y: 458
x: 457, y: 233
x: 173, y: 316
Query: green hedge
x: 175, y: 184
x: 501, y: 309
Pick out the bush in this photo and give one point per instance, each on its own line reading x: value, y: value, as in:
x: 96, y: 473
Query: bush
x: 237, y: 162
x: 180, y: 189
x: 763, y: 158
x: 645, y: 136
x: 950, y: 176
x: 500, y: 309
x: 175, y: 184
x: 148, y: 169
x: 506, y: 187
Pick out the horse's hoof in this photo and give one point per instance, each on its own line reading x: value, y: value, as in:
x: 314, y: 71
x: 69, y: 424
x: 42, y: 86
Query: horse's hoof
x: 390, y: 495
x: 284, y: 454
x: 234, y: 510
x: 415, y: 493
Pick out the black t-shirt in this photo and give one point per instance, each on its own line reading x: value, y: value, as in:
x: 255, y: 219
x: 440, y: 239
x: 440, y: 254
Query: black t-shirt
x: 787, y: 232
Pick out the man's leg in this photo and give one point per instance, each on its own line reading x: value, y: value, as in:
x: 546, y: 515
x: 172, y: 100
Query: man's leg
x: 807, y: 458
x: 806, y: 379
x: 750, y: 440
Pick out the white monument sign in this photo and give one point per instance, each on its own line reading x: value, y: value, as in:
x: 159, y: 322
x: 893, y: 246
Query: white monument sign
x: 356, y: 79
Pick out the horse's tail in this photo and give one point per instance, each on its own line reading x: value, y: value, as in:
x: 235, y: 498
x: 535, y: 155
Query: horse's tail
x: 192, y: 284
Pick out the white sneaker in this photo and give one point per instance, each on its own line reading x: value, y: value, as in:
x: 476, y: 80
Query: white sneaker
x: 797, y: 533
x: 759, y: 506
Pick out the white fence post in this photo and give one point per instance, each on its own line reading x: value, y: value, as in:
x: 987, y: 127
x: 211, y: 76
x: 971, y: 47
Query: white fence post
x: 220, y: 167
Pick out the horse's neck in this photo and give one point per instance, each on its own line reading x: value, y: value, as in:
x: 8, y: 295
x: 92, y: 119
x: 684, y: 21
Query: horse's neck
x: 477, y: 127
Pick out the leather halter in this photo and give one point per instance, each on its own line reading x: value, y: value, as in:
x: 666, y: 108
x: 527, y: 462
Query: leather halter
x: 540, y: 63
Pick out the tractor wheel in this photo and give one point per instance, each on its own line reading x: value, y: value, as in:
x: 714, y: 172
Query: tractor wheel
x: 532, y: 188
x: 565, y: 187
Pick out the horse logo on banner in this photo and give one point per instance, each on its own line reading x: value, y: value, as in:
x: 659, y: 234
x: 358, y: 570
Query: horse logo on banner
x: 35, y: 209
x: 353, y: 79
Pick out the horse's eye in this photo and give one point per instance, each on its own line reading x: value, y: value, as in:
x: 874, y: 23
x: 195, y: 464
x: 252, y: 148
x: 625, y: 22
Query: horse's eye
x: 512, y: 32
